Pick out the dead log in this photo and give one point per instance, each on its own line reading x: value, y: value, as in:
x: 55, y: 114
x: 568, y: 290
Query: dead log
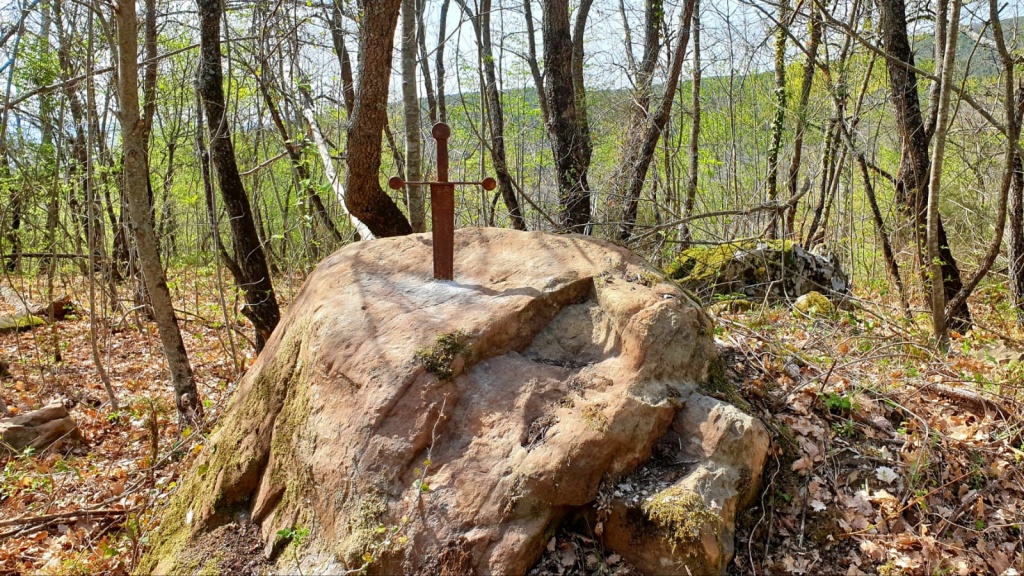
x: 37, y: 429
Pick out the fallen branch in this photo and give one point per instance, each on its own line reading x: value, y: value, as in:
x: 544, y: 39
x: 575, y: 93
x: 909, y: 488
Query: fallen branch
x: 976, y: 400
x: 35, y: 523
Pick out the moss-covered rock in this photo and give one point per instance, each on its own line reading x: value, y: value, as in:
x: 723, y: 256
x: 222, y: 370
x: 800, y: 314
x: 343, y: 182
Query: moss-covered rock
x: 814, y: 304
x: 757, y: 269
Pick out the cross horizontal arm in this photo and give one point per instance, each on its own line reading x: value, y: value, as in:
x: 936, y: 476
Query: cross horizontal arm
x: 396, y: 183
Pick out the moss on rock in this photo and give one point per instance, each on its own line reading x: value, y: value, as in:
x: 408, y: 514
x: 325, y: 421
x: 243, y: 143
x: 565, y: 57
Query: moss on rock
x: 756, y: 268
x: 681, y: 514
x: 439, y: 359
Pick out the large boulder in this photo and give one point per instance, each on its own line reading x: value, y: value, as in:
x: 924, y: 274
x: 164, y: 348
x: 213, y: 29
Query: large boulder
x: 772, y: 269
x: 405, y: 425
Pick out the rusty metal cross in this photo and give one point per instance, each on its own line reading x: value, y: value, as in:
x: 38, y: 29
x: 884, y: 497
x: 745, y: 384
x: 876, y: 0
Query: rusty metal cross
x: 442, y: 204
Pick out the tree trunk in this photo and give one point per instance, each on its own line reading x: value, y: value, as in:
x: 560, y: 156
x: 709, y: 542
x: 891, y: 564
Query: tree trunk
x: 348, y: 89
x: 253, y: 275
x: 640, y: 160
x: 778, y: 121
x: 411, y: 105
x: 1010, y: 159
x: 365, y: 198
x: 495, y: 112
x: 694, y: 167
x: 912, y: 177
x: 938, y: 296
x: 14, y: 231
x: 1015, y: 247
x: 531, y: 60
x: 136, y: 175
x: 801, y: 112
x: 442, y: 26
x: 421, y: 39
x: 570, y: 144
x: 635, y: 129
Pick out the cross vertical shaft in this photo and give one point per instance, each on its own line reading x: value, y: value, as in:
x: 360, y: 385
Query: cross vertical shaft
x: 442, y: 205
x: 442, y: 209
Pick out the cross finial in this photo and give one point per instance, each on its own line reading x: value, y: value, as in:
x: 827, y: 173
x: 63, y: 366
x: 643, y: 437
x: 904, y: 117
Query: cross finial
x: 442, y: 204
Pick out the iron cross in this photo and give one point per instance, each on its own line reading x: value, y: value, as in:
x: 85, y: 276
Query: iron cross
x: 442, y: 205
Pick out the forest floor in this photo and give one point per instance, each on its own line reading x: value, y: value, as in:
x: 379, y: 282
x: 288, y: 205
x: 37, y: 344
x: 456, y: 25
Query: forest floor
x: 887, y: 456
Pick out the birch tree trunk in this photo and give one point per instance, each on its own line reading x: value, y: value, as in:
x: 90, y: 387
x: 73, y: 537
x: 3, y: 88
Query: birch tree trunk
x: 411, y: 106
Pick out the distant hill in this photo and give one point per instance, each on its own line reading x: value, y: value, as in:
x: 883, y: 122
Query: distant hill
x: 983, y: 57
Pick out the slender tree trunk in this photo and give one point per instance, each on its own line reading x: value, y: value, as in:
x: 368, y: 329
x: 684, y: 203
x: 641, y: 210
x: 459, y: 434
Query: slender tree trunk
x: 778, y: 120
x: 876, y: 214
x: 442, y: 29
x: 411, y: 104
x: 694, y: 168
x: 421, y: 38
x: 810, y: 64
x: 828, y: 154
x: 641, y: 161
x: 14, y: 193
x: 531, y: 60
x: 938, y: 295
x: 495, y: 112
x: 251, y: 262
x: 1010, y: 164
x: 640, y: 113
x: 348, y: 89
x: 136, y: 175
x: 1015, y: 247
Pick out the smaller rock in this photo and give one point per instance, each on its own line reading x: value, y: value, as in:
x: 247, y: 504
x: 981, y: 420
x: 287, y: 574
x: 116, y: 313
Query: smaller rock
x: 731, y: 306
x: 712, y: 457
x: 814, y: 304
x: 37, y: 429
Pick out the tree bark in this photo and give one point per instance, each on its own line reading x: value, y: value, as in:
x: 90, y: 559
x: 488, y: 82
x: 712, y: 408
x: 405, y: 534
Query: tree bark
x: 415, y: 199
x: 938, y: 296
x: 694, y: 155
x: 1015, y: 244
x: 778, y: 120
x: 801, y: 111
x: 252, y: 274
x: 366, y: 200
x: 136, y: 175
x: 912, y: 177
x: 640, y: 161
x: 570, y: 143
x: 495, y: 112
